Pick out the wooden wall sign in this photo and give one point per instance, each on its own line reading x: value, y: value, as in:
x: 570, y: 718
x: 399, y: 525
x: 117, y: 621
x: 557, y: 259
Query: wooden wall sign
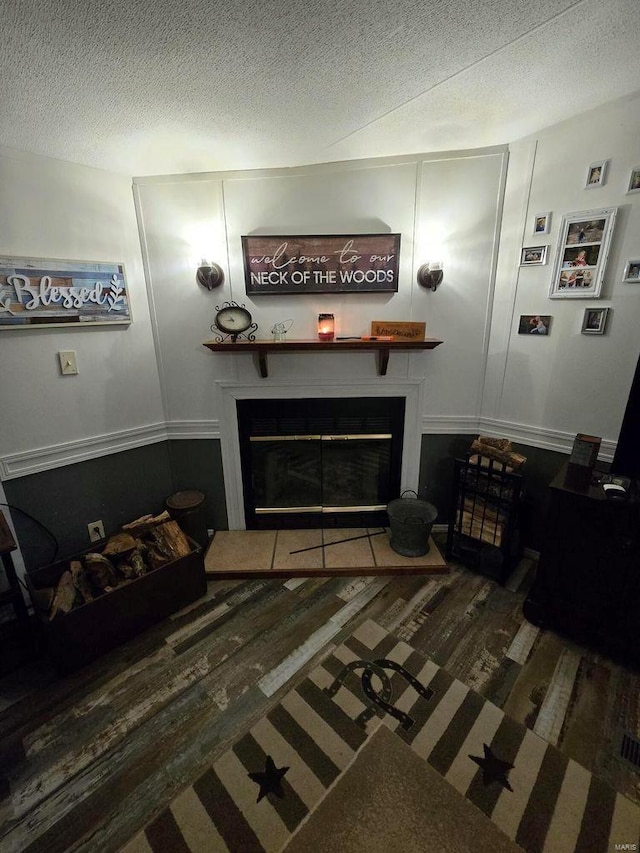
x: 400, y: 331
x: 359, y: 263
x: 37, y: 292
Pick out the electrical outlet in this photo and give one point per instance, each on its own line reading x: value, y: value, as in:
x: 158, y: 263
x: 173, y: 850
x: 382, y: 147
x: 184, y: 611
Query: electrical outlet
x: 96, y: 531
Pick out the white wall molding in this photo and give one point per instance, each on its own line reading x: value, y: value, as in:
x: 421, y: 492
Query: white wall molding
x: 534, y: 436
x: 81, y: 450
x: 450, y: 424
x: 193, y: 429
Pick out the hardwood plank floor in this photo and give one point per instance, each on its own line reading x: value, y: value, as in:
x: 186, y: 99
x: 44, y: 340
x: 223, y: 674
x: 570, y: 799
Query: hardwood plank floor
x: 87, y: 760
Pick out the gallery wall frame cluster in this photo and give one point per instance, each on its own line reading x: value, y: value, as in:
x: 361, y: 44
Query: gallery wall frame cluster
x: 582, y: 251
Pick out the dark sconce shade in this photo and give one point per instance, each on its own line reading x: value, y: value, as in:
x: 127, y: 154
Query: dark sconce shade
x: 431, y: 279
x: 209, y: 275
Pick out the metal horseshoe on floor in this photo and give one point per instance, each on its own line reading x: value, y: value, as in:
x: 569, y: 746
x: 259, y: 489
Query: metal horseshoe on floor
x: 369, y: 667
x: 382, y: 698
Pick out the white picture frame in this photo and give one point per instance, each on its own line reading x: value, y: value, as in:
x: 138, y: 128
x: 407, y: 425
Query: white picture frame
x: 542, y: 223
x: 632, y: 271
x: 634, y: 181
x: 596, y: 174
x: 594, y: 321
x: 582, y: 252
x: 533, y: 256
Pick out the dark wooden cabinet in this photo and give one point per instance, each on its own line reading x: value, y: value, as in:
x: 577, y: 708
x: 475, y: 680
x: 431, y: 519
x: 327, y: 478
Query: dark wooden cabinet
x: 587, y: 584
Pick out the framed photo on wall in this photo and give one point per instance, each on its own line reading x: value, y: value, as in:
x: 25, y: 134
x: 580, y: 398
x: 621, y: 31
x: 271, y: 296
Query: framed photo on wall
x: 634, y: 181
x: 632, y: 271
x: 534, y: 324
x: 533, y: 256
x: 582, y: 252
x: 596, y: 174
x: 594, y: 321
x: 542, y: 223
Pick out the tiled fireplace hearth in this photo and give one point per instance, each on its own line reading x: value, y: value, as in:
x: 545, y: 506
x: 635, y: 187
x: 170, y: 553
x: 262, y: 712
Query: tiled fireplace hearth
x: 403, y: 452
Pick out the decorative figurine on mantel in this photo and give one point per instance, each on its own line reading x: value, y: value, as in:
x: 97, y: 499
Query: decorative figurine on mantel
x: 279, y: 331
x: 234, y: 321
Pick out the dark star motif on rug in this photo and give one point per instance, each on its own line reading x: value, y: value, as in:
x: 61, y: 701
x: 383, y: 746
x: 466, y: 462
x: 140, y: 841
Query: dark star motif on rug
x: 270, y: 780
x: 494, y: 769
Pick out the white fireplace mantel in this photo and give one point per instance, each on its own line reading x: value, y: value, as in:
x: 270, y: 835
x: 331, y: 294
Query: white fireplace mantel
x: 229, y: 392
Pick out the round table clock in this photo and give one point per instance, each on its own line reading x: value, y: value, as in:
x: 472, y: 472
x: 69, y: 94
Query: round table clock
x: 234, y: 321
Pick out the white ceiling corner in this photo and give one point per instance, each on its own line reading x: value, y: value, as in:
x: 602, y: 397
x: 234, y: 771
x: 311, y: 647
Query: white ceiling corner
x: 194, y: 86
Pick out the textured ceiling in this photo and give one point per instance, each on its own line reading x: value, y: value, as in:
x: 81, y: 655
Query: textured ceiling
x: 194, y: 85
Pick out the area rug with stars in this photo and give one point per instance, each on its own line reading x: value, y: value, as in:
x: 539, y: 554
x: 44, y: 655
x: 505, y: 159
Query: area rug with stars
x: 380, y: 748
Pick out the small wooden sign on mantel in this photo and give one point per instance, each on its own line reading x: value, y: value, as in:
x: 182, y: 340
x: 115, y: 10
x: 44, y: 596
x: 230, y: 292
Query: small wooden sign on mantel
x: 399, y: 330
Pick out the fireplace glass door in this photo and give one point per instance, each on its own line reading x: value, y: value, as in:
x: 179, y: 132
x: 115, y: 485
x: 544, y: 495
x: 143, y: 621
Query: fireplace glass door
x: 320, y: 473
x: 309, y: 463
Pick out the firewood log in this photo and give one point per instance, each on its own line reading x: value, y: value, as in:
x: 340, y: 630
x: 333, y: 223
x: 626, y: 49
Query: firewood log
x: 65, y: 596
x: 145, y: 523
x: 119, y: 544
x: 154, y: 557
x: 139, y: 526
x: 497, y: 443
x: 170, y: 540
x: 80, y: 581
x: 137, y: 562
x: 486, y: 531
x: 126, y: 570
x: 509, y: 458
x: 480, y: 509
x: 100, y: 571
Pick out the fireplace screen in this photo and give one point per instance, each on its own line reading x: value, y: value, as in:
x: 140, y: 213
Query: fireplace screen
x: 320, y: 473
x: 306, y: 460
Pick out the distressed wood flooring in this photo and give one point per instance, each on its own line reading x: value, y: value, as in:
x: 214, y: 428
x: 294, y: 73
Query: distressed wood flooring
x: 87, y: 760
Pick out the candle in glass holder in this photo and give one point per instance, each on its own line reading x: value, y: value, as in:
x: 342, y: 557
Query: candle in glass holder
x: 325, y: 327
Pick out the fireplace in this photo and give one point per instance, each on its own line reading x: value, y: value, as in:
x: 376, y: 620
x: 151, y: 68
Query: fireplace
x: 321, y: 462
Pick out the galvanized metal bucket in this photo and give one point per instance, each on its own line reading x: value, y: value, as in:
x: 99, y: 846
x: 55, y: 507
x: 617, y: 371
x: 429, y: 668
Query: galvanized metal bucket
x: 411, y: 520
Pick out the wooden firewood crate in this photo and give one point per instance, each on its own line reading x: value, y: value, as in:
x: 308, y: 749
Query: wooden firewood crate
x: 91, y: 629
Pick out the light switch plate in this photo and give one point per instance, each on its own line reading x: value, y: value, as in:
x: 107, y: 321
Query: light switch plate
x: 68, y: 362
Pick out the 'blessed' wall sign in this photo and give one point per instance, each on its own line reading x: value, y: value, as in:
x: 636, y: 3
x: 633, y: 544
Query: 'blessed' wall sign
x: 335, y: 263
x: 36, y: 292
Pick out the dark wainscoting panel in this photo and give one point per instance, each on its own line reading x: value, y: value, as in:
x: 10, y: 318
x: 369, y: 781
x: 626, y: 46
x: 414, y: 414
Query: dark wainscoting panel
x: 436, y: 477
x: 122, y: 486
x: 115, y: 489
x: 197, y: 464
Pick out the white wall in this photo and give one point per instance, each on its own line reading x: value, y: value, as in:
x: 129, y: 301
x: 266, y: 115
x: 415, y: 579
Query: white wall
x: 51, y: 209
x: 446, y: 207
x: 544, y: 390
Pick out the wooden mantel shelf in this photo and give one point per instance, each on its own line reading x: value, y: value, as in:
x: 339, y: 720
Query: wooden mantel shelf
x: 262, y: 348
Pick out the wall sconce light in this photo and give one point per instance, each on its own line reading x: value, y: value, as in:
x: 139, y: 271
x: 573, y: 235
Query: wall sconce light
x: 325, y: 327
x: 430, y: 275
x: 209, y: 274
